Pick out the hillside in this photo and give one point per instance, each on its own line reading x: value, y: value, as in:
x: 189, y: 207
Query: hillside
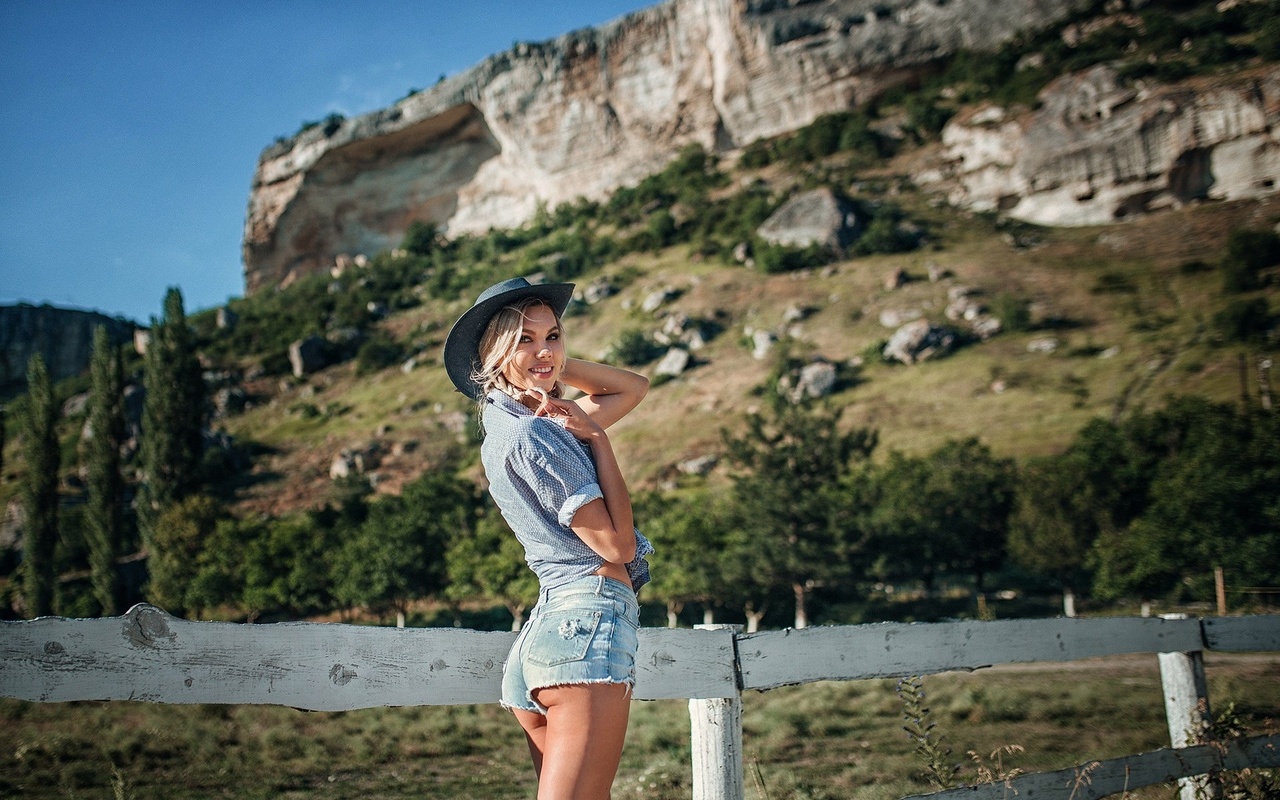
x: 1130, y: 309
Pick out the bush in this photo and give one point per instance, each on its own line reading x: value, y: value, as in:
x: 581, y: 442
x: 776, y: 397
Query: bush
x: 1245, y: 320
x: 635, y: 348
x: 1249, y: 251
x: 378, y: 353
x: 1013, y: 312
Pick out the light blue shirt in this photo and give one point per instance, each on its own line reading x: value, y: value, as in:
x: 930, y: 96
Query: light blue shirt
x: 540, y: 475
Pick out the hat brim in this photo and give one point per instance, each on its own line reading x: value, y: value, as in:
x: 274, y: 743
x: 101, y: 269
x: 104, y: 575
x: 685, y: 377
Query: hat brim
x: 462, y: 345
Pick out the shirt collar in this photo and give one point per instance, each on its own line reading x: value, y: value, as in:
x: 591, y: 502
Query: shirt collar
x: 505, y: 403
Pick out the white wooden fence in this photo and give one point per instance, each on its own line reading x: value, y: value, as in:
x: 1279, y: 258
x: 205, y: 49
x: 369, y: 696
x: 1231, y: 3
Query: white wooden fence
x: 148, y: 655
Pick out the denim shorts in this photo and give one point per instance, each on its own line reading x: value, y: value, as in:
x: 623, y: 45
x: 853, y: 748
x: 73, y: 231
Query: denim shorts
x: 584, y: 631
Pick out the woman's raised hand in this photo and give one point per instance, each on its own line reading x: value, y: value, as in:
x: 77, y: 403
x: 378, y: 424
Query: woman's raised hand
x: 567, y: 414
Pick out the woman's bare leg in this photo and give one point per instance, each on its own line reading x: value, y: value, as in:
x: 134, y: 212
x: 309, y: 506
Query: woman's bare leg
x: 582, y: 741
x: 535, y: 733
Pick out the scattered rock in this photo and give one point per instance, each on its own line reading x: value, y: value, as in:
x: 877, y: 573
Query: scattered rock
x: 702, y: 465
x: 796, y: 313
x: 659, y: 298
x: 896, y: 318
x: 227, y: 319
x: 307, y: 356
x: 816, y: 380
x: 675, y: 362
x: 896, y: 279
x: 229, y: 401
x: 1046, y: 344
x: 919, y: 341
x: 599, y: 289
x: 1110, y: 352
x: 761, y: 343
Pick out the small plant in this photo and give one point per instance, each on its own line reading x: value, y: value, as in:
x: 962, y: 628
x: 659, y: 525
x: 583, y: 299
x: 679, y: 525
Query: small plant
x: 919, y: 727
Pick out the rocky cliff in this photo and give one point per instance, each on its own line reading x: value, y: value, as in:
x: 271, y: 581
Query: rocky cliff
x: 1100, y: 149
x: 593, y: 110
x: 63, y: 337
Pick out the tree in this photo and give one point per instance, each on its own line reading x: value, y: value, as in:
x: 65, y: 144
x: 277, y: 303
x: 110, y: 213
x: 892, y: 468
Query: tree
x: 489, y: 561
x: 398, y: 554
x: 688, y: 535
x: 172, y: 416
x: 1053, y: 524
x: 182, y: 532
x: 105, y: 513
x: 288, y: 567
x: 40, y: 489
x: 945, y: 512
x: 792, y: 460
x: 1212, y: 502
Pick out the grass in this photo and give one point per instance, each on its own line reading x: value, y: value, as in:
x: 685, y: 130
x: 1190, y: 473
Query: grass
x: 817, y: 741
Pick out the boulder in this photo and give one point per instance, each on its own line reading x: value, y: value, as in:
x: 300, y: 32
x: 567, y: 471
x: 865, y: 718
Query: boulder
x: 308, y: 355
x: 675, y: 362
x: 919, y: 341
x: 816, y: 217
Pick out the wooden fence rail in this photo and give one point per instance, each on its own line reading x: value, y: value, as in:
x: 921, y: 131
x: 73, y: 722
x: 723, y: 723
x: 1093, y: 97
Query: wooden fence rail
x: 148, y: 655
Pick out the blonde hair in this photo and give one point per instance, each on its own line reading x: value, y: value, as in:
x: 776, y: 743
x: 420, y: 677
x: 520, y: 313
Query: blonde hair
x: 498, y: 346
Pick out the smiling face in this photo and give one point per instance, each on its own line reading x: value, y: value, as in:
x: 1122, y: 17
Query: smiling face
x: 538, y: 358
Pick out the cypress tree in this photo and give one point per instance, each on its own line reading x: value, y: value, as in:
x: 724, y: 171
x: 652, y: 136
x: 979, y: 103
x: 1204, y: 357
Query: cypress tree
x: 40, y: 489
x: 105, y: 513
x: 172, y: 415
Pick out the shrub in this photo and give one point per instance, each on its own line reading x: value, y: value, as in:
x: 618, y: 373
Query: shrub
x: 1013, y: 312
x: 1248, y: 252
x: 635, y: 348
x: 1244, y: 320
x: 379, y: 352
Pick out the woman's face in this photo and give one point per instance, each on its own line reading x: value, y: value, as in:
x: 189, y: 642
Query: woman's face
x: 539, y: 357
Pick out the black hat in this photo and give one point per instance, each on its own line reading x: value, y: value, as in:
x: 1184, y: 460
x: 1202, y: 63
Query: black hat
x: 462, y: 346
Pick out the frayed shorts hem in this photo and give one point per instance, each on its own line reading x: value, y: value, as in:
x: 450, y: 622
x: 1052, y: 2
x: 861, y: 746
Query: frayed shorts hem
x: 535, y: 708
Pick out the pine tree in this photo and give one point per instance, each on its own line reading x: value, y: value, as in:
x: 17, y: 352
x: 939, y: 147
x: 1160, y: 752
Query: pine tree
x: 40, y: 489
x: 172, y: 416
x: 105, y: 513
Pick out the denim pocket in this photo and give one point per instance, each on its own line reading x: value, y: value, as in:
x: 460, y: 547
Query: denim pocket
x: 562, y: 636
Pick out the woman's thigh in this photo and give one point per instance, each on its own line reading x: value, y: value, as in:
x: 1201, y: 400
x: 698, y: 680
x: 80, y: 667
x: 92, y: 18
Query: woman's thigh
x: 582, y: 744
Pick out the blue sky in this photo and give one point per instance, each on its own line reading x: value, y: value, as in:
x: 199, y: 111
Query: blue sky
x: 129, y: 130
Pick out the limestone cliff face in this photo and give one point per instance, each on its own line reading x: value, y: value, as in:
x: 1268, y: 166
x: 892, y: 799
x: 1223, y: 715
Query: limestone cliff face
x: 63, y: 337
x: 1099, y: 149
x: 593, y: 110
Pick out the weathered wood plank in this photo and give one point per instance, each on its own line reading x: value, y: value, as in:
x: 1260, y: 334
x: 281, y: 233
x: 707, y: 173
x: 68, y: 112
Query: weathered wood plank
x: 151, y: 656
x: 1113, y: 776
x: 1243, y: 634
x: 781, y: 658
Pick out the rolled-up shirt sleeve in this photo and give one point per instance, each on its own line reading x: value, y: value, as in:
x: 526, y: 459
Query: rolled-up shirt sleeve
x: 562, y: 483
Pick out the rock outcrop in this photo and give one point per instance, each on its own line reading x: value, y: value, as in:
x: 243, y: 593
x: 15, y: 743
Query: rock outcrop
x: 62, y: 336
x: 1100, y: 149
x: 593, y: 110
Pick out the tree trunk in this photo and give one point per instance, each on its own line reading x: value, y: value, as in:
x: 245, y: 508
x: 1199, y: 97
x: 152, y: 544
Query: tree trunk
x: 517, y: 616
x: 753, y: 619
x: 673, y: 613
x: 708, y: 616
x: 1068, y: 603
x: 802, y: 613
x: 399, y: 617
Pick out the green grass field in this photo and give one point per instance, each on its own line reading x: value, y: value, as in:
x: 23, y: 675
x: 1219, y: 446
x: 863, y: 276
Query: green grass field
x: 819, y: 741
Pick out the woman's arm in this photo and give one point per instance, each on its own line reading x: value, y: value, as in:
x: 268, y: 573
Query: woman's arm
x: 609, y: 392
x: 605, y: 524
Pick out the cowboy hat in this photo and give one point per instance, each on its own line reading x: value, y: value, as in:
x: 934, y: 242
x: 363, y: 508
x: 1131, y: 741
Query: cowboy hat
x: 462, y: 346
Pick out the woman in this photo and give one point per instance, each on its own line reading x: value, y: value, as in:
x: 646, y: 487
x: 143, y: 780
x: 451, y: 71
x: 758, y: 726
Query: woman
x: 553, y: 474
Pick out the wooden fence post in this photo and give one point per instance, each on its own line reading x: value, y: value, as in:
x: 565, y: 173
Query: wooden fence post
x: 716, y: 731
x: 1186, y: 708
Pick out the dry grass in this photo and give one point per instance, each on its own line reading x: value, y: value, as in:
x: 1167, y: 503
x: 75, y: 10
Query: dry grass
x: 824, y: 740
